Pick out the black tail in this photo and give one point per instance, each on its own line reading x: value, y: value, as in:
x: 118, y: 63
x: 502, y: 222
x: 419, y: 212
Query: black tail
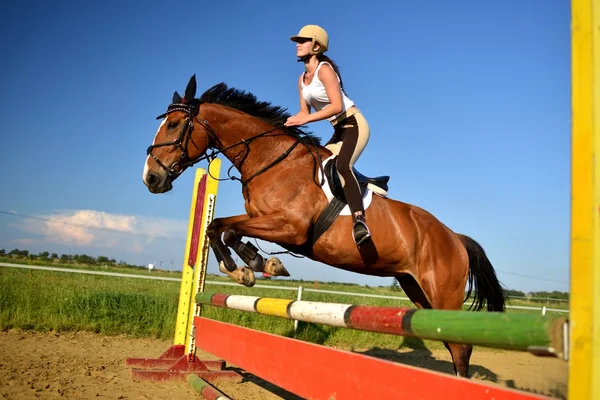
x: 483, y: 278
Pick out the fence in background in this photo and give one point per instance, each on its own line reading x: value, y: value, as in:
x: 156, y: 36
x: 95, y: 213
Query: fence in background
x: 299, y: 289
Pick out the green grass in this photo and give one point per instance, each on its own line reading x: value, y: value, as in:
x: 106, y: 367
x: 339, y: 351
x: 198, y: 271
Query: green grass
x: 44, y: 301
x: 59, y: 301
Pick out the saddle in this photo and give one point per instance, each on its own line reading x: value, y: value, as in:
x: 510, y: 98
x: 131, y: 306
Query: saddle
x: 378, y: 184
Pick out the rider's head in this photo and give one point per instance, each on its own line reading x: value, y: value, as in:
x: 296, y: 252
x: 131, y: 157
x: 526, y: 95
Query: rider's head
x: 316, y: 36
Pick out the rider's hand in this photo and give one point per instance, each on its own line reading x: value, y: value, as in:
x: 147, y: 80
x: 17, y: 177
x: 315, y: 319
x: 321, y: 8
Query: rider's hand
x: 296, y: 120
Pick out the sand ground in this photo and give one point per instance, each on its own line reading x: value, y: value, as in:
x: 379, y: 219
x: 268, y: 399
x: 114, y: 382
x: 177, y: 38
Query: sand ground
x: 90, y: 366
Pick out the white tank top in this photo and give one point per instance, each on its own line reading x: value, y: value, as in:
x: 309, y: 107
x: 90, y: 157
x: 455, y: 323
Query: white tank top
x: 315, y: 95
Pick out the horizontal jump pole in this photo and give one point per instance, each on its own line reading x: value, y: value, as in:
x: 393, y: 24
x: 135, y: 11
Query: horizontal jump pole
x: 207, y: 391
x: 539, y: 334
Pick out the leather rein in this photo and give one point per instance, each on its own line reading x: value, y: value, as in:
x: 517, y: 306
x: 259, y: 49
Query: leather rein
x: 185, y: 137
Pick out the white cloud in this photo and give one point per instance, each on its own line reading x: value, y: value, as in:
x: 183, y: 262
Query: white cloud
x: 142, y: 240
x: 99, y: 229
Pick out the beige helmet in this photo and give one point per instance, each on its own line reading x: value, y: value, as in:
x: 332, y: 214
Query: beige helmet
x: 317, y: 34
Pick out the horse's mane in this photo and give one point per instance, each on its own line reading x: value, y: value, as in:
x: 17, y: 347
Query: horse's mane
x: 248, y: 103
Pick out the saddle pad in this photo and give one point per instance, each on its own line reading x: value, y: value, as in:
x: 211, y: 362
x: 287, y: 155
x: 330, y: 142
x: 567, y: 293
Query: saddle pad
x: 367, y: 198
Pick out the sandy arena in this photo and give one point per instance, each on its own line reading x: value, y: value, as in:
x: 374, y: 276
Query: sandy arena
x: 90, y: 366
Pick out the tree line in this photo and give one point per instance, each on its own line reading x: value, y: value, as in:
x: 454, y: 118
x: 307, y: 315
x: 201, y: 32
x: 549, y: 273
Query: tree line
x: 554, y: 295
x: 45, y: 256
x: 549, y: 295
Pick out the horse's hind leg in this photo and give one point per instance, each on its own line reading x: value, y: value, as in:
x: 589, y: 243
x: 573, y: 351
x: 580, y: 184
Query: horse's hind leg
x: 461, y: 353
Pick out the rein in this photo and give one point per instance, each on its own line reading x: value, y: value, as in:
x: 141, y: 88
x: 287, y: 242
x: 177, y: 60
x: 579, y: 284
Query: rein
x: 185, y: 137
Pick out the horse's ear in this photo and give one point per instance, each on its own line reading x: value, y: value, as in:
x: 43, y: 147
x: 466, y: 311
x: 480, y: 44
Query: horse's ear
x: 190, y: 91
x: 176, y: 98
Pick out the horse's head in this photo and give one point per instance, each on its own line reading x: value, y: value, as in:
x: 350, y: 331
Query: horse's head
x: 178, y: 143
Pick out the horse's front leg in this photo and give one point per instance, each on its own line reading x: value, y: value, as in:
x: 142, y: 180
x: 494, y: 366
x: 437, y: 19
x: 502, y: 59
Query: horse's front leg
x: 227, y: 265
x: 274, y: 228
x: 249, y: 254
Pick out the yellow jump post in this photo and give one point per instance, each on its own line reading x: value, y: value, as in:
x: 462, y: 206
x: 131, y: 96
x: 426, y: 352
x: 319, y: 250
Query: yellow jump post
x: 584, y: 357
x: 204, y: 197
x: 179, y: 360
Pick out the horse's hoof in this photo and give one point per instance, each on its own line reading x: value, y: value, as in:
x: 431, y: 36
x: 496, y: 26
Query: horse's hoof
x: 242, y: 275
x: 247, y: 278
x: 274, y: 267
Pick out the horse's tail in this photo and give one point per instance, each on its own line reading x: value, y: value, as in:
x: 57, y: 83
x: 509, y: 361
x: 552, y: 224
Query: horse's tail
x: 483, y: 278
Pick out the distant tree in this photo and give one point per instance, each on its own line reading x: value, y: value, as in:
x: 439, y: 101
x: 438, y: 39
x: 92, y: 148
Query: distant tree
x: 85, y: 259
x: 44, y: 255
x: 54, y: 256
x: 2, y: 252
x: 24, y: 253
x: 14, y: 252
x: 65, y: 258
x: 395, y: 286
x: 103, y: 260
x: 516, y: 293
x: 551, y: 295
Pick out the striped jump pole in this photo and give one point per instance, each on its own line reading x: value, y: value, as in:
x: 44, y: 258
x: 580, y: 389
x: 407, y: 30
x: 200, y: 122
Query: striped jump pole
x: 207, y: 391
x: 538, y: 334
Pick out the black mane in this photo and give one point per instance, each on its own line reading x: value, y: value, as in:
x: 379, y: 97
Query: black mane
x: 249, y: 104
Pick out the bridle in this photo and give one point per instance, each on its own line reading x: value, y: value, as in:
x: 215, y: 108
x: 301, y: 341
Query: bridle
x: 185, y: 137
x: 182, y: 142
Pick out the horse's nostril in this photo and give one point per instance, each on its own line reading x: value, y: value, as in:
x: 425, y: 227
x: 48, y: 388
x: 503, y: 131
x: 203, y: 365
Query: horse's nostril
x: 151, y: 179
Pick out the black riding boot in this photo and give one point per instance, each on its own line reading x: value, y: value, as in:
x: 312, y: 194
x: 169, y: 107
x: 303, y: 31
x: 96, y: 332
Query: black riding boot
x: 360, y: 231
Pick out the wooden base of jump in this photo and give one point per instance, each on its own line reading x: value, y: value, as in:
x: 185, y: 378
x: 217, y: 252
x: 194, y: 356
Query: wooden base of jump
x: 318, y: 372
x: 174, y: 364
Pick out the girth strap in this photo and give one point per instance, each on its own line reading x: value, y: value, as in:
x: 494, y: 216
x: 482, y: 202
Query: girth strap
x: 326, y: 218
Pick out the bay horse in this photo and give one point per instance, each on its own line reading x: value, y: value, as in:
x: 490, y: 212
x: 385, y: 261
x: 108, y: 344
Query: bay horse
x: 280, y: 170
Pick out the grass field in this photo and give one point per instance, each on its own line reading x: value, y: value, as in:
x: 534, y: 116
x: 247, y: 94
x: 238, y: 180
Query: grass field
x: 60, y: 301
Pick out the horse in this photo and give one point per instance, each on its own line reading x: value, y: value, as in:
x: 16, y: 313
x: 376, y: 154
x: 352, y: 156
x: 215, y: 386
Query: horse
x: 282, y: 179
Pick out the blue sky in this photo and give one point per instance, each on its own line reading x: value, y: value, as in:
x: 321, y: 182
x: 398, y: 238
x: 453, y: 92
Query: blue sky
x: 468, y: 104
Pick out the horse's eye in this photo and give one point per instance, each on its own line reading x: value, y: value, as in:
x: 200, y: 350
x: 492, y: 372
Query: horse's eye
x: 172, y: 125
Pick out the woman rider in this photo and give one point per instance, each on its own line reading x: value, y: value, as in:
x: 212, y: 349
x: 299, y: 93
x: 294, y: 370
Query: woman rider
x: 321, y: 88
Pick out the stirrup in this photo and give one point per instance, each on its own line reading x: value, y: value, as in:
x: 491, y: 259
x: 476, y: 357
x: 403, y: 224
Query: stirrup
x: 363, y: 230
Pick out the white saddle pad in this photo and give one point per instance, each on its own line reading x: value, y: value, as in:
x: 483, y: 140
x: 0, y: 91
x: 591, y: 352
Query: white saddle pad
x: 367, y: 198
